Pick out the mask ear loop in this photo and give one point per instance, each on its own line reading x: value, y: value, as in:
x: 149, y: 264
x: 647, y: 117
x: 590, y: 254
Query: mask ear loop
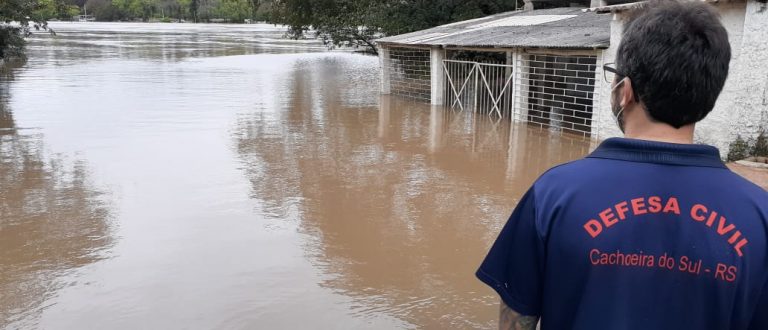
x: 617, y: 116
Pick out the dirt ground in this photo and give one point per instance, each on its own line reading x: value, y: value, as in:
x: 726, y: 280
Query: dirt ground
x: 756, y: 175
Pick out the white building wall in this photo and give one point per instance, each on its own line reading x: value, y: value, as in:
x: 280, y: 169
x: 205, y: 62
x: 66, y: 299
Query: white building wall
x: 750, y: 106
x: 716, y: 128
x: 742, y: 107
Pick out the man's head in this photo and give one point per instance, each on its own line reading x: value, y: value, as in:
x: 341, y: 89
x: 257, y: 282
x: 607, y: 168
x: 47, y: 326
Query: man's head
x: 672, y: 62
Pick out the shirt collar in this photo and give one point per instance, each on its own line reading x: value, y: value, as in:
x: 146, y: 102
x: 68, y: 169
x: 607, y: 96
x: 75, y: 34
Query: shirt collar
x: 658, y: 152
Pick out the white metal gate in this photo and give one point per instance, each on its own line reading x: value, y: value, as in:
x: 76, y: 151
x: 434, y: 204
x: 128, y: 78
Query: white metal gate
x: 480, y: 87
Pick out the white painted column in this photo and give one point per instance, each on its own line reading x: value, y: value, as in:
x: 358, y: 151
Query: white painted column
x: 508, y: 99
x: 385, y: 105
x: 436, y: 134
x: 515, y: 84
x: 437, y: 55
x: 603, y: 123
x: 385, y: 65
x: 520, y: 82
x: 516, y: 152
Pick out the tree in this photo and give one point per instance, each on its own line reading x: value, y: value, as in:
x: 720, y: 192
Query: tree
x: 169, y: 10
x: 254, y: 4
x: 143, y: 9
x: 193, y: 6
x: 351, y: 23
x: 19, y: 17
x: 356, y: 23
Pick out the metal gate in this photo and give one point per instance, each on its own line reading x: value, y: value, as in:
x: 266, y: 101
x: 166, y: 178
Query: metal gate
x: 480, y: 87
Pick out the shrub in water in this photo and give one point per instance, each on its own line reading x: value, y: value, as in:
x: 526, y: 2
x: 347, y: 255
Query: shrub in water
x: 11, y: 40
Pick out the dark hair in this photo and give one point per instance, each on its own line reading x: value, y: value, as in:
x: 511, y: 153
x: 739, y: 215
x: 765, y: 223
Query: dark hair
x: 676, y: 55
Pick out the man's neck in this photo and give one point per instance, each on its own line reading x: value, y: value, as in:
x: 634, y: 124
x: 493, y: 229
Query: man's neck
x: 662, y: 133
x: 640, y: 127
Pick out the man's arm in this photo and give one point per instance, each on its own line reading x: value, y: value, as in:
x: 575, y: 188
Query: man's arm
x: 509, y: 319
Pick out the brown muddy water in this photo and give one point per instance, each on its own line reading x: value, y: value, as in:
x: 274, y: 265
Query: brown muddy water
x: 160, y: 176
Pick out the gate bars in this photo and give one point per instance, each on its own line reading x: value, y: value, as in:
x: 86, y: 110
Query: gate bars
x: 482, y: 87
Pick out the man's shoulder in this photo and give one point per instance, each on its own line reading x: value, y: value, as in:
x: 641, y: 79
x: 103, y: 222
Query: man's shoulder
x: 570, y: 178
x: 571, y: 172
x: 748, y: 188
x: 589, y: 173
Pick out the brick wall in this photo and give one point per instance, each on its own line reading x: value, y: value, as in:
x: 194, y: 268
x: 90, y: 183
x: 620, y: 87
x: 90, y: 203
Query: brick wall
x: 560, y: 91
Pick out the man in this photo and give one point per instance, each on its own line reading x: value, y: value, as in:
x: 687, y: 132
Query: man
x: 650, y: 231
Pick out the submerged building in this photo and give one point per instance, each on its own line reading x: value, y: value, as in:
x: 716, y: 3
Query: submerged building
x: 544, y: 67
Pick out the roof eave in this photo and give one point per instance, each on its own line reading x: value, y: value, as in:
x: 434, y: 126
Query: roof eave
x: 634, y: 5
x: 584, y: 47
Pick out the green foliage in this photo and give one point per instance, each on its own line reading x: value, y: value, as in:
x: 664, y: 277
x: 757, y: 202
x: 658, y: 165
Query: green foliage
x: 19, y: 17
x: 409, y: 16
x: 357, y: 22
x: 46, y: 10
x: 760, y: 148
x: 738, y: 150
x: 741, y: 149
x: 70, y: 11
x: 193, y: 6
x: 143, y: 9
x: 236, y: 11
x: 11, y: 41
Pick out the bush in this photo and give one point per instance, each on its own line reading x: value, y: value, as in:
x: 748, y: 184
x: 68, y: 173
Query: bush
x: 11, y: 41
x: 760, y: 148
x: 738, y: 150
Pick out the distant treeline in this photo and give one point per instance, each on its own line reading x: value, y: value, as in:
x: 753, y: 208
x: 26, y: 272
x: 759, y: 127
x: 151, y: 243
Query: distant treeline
x: 356, y: 23
x: 234, y: 11
x: 345, y: 23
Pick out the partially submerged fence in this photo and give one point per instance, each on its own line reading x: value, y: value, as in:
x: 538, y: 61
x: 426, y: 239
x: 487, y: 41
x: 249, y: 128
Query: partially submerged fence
x: 546, y: 87
x: 482, y: 87
x: 556, y: 91
x: 410, y: 73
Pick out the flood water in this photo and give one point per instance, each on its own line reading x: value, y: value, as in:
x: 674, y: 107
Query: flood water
x: 162, y: 176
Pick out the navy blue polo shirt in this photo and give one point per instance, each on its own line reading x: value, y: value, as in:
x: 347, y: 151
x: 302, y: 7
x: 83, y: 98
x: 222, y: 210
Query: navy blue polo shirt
x: 637, y: 235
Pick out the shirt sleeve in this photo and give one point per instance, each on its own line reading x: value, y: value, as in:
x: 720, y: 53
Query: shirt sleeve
x: 760, y: 318
x: 514, y: 265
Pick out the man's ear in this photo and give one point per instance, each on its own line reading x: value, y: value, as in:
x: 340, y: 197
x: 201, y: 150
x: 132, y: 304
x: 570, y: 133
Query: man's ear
x: 627, y: 93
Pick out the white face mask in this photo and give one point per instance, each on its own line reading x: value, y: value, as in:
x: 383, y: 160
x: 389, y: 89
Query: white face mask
x: 617, y: 115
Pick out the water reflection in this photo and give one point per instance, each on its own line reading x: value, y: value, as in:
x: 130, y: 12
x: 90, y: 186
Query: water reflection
x: 170, y: 42
x: 279, y: 187
x: 402, y: 199
x: 52, y: 220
